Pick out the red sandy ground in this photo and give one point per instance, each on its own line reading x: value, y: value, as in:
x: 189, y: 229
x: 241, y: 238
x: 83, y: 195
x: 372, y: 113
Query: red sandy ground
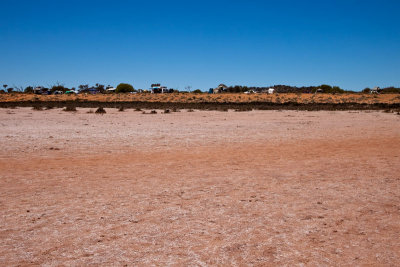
x: 202, y: 188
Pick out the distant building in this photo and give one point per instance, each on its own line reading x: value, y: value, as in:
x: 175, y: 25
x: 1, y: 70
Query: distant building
x: 375, y: 90
x: 221, y: 88
x: 40, y: 90
x: 264, y: 90
x: 93, y: 91
x: 156, y: 88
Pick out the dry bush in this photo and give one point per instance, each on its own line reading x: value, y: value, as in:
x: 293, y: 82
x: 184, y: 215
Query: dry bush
x: 100, y: 110
x: 70, y: 108
x: 37, y: 107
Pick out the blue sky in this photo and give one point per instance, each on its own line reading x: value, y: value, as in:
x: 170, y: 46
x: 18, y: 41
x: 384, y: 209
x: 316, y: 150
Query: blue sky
x: 352, y: 44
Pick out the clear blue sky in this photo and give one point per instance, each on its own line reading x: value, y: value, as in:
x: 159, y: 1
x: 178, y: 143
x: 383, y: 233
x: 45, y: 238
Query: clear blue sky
x: 352, y: 44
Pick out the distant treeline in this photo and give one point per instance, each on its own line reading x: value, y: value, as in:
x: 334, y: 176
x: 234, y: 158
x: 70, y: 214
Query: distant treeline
x: 306, y: 89
x: 124, y: 88
x: 386, y: 90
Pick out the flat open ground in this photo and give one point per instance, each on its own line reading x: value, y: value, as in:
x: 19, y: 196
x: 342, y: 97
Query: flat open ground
x: 199, y: 188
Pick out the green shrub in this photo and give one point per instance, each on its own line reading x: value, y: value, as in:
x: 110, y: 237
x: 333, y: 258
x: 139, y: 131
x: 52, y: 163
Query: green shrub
x: 390, y: 90
x: 124, y: 88
x: 328, y: 89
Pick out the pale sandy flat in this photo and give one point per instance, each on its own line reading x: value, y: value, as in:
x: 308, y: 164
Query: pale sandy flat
x: 199, y: 188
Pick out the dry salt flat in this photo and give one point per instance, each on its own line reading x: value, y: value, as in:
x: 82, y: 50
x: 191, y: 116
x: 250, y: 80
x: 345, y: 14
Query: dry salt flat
x: 199, y: 188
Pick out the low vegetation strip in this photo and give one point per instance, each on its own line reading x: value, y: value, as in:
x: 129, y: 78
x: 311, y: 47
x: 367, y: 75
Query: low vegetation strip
x: 241, y: 106
x: 208, y: 101
x: 217, y: 98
